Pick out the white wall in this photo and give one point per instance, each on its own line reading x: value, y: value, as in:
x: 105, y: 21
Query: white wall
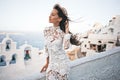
x: 103, y: 66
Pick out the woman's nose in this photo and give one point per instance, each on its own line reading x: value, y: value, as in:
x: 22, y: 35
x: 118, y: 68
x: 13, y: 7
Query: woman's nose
x: 49, y: 16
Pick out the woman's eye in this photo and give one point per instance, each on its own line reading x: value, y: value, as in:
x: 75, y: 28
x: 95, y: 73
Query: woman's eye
x: 53, y: 15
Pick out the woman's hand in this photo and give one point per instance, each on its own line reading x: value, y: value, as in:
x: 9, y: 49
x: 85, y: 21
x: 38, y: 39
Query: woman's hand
x: 44, y: 68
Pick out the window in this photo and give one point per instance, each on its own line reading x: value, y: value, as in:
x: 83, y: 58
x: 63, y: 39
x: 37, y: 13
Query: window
x: 8, y: 45
x: 2, y: 61
x: 27, y: 53
x: 111, y: 30
x: 13, y: 60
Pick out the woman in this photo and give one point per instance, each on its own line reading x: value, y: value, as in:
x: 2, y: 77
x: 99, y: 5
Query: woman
x: 56, y: 37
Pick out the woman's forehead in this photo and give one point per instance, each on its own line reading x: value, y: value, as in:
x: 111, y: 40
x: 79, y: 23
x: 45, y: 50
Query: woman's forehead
x: 54, y: 11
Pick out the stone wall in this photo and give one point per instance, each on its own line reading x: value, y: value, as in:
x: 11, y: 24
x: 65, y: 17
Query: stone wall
x: 102, y: 66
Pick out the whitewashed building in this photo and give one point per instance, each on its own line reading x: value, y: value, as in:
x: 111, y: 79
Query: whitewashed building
x: 25, y: 55
x: 103, y: 38
x: 100, y: 38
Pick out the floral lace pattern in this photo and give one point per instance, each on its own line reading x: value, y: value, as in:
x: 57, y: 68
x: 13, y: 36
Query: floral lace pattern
x: 56, y: 76
x: 56, y: 41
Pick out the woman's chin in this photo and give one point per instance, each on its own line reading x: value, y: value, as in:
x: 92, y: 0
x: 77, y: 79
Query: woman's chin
x: 50, y: 22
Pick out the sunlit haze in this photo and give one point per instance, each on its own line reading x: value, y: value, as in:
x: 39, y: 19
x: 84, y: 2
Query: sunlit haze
x: 32, y: 15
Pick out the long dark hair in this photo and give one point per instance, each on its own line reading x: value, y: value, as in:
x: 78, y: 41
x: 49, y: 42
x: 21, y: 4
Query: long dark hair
x: 63, y: 14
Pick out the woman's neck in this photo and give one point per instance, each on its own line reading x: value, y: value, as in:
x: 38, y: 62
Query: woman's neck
x: 56, y: 25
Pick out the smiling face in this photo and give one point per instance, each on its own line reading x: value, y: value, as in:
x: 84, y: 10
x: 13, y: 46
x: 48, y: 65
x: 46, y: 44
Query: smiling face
x: 54, y: 18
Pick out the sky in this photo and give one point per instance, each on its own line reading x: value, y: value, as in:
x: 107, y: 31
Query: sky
x: 32, y: 15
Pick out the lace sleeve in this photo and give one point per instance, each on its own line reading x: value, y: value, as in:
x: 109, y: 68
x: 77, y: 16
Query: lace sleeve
x: 46, y: 51
x: 66, y: 41
x: 46, y: 48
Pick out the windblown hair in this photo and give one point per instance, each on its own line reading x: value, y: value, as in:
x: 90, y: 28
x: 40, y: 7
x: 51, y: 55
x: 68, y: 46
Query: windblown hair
x: 63, y: 14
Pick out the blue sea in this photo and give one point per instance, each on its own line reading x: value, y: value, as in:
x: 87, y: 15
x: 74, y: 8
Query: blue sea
x: 36, y: 39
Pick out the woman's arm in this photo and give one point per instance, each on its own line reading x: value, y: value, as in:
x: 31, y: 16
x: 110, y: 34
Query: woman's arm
x: 67, y: 36
x: 46, y: 65
x: 46, y: 54
x: 66, y: 41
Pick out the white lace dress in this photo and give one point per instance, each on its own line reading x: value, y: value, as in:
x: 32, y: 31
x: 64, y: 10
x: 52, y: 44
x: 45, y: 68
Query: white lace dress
x: 56, y: 41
